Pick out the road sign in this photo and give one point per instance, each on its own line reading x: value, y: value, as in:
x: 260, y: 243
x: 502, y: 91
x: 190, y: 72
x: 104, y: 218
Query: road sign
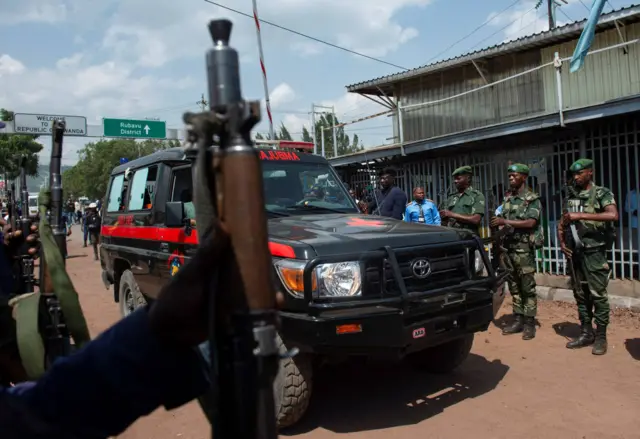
x: 135, y: 129
x: 41, y: 124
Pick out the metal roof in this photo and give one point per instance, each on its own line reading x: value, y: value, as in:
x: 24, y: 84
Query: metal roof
x: 541, y: 39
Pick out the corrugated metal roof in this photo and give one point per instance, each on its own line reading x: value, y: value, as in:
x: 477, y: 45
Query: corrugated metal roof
x: 546, y: 38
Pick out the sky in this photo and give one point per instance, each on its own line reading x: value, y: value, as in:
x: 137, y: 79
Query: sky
x: 145, y: 58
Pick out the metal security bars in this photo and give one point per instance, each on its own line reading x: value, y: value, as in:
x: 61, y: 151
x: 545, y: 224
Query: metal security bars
x: 613, y: 144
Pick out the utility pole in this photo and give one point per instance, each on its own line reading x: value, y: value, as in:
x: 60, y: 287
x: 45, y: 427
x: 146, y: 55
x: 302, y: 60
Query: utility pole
x: 203, y: 103
x: 551, y: 5
x: 333, y: 127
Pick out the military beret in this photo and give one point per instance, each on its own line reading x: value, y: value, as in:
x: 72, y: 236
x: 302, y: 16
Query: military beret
x: 581, y: 164
x: 519, y: 168
x: 462, y: 170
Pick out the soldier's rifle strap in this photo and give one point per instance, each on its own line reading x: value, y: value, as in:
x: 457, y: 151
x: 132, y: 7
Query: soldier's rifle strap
x: 30, y: 344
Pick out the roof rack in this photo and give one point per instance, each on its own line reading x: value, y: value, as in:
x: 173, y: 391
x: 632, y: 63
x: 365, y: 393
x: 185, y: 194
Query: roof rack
x: 285, y: 144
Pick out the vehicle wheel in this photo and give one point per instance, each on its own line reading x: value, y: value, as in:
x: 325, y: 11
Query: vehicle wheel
x: 443, y: 358
x: 130, y: 296
x: 292, y: 387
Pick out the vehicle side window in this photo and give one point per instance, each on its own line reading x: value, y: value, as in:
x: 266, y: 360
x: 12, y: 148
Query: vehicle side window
x: 143, y: 189
x: 182, y: 190
x: 115, y: 194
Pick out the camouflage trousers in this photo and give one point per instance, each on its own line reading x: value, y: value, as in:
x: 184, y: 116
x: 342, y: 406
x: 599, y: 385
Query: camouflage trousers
x: 589, y: 282
x: 522, y: 284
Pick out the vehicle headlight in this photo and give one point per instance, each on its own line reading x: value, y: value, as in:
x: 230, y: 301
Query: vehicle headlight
x: 478, y: 263
x: 290, y: 272
x: 340, y: 279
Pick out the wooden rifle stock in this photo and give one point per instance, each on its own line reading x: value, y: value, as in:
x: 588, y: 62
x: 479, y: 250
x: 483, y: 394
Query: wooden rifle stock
x: 243, y: 317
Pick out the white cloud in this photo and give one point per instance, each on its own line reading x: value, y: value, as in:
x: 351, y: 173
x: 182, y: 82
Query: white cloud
x: 281, y: 95
x: 25, y: 11
x: 10, y: 66
x: 525, y: 20
x: 153, y: 36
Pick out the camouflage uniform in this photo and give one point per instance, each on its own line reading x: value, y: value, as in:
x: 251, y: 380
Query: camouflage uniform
x: 469, y: 202
x: 520, y: 254
x: 590, y: 268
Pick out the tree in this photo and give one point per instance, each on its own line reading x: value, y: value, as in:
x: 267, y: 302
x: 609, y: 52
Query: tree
x: 283, y: 133
x: 345, y: 145
x: 15, y: 146
x: 90, y: 176
x: 306, y: 136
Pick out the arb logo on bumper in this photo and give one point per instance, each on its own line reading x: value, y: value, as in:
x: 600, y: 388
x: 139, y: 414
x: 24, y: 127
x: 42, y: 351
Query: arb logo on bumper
x: 420, y: 332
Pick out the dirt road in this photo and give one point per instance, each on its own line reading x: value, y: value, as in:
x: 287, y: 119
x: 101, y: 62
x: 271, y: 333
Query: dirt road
x: 508, y: 388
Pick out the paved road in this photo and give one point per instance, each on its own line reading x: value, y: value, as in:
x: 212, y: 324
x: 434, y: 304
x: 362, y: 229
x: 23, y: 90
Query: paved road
x: 508, y: 388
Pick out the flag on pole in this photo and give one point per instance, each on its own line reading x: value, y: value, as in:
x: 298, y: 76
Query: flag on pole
x: 588, y: 33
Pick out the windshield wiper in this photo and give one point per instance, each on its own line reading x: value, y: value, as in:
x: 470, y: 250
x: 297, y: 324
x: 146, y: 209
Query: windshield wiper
x: 312, y: 207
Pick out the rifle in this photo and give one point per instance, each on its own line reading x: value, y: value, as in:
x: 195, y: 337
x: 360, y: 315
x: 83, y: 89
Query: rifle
x: 572, y: 235
x: 244, y: 353
x: 47, y: 320
x: 497, y: 238
x: 25, y: 261
x: 11, y: 205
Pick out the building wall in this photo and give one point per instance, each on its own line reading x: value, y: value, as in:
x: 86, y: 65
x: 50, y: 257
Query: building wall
x: 605, y: 76
x: 613, y: 144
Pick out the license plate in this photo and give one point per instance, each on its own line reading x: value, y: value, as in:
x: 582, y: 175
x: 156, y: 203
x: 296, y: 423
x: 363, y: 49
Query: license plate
x: 418, y: 333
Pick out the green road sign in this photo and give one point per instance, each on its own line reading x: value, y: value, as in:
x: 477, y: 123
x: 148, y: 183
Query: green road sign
x: 135, y: 129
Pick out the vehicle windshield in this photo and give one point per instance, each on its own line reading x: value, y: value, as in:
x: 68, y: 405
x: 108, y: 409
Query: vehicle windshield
x: 299, y: 188
x: 33, y: 202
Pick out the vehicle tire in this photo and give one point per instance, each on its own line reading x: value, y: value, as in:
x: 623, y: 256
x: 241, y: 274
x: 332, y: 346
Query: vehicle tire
x: 130, y: 296
x: 443, y: 358
x: 292, y: 387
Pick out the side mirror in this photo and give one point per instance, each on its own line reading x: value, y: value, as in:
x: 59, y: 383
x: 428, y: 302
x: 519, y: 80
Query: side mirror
x: 174, y: 214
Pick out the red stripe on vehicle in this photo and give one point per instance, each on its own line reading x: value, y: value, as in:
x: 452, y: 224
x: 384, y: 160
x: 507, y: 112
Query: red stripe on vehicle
x: 177, y: 235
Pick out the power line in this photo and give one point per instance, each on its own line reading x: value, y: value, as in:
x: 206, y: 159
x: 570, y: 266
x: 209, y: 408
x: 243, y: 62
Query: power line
x: 502, y: 29
x: 475, y: 30
x: 565, y: 14
x: 317, y: 40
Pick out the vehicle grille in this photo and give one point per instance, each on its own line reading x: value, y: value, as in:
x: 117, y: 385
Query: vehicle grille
x: 449, y: 266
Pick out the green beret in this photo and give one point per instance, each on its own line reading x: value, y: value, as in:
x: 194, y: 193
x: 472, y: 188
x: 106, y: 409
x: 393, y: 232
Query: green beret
x: 462, y: 170
x: 519, y: 168
x: 581, y: 164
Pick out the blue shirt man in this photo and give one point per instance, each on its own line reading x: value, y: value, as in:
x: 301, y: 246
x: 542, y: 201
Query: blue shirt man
x: 421, y: 211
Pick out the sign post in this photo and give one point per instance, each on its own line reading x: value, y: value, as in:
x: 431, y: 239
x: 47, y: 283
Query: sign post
x: 41, y: 124
x: 134, y: 129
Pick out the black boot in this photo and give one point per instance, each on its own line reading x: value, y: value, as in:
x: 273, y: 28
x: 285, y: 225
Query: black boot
x: 516, y: 327
x: 600, y: 345
x: 585, y: 338
x: 529, y: 332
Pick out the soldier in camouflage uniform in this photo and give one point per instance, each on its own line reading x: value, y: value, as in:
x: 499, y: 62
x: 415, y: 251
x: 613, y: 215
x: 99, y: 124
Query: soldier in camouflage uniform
x: 463, y: 208
x: 521, y: 209
x: 592, y: 209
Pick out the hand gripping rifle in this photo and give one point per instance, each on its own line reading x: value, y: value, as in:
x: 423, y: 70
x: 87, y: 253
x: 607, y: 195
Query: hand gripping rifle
x: 499, y: 252
x: 242, y: 308
x: 47, y: 320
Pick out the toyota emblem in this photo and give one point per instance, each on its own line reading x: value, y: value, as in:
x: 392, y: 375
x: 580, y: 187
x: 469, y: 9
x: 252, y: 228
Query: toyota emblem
x: 421, y: 268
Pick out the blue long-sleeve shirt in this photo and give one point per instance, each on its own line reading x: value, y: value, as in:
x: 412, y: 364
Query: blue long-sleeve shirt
x: 389, y: 203
x: 429, y: 213
x: 102, y: 389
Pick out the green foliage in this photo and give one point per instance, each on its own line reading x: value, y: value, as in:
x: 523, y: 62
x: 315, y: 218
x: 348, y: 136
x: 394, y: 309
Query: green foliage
x: 13, y: 147
x: 345, y: 144
x: 90, y: 176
